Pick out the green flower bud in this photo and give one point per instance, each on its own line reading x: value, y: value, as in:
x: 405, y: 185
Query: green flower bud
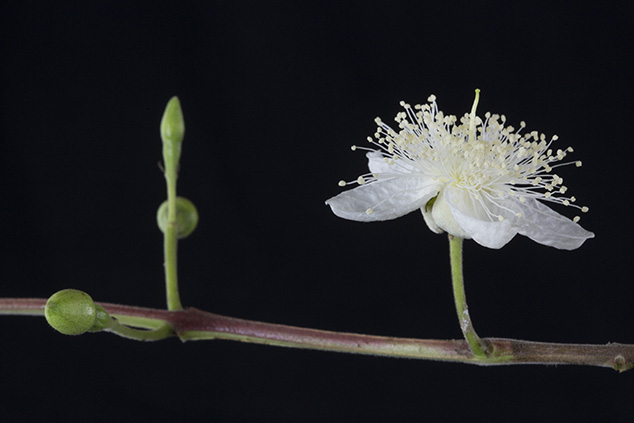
x: 186, y: 217
x: 70, y: 312
x: 172, y: 133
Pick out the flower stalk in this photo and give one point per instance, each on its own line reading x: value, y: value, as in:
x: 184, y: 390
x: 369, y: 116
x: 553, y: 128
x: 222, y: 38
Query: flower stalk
x: 476, y: 344
x: 163, y: 331
x: 172, y: 133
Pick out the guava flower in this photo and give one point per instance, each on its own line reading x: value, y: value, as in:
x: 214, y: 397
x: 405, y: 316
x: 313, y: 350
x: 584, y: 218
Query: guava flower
x: 471, y: 178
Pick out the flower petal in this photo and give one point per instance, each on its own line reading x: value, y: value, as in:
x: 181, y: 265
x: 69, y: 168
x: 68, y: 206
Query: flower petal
x: 381, y: 165
x: 429, y: 219
x: 546, y: 226
x: 468, y: 214
x: 377, y: 163
x: 386, y: 198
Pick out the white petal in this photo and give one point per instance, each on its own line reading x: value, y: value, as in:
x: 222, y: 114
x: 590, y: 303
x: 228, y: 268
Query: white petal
x: 544, y: 225
x: 429, y: 219
x: 473, y: 220
x: 387, y: 199
x: 442, y: 217
x: 378, y: 165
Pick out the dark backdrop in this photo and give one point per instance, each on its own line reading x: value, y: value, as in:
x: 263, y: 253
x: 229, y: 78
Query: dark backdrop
x: 273, y: 95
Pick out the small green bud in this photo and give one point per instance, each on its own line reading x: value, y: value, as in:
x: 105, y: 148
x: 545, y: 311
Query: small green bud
x: 70, y: 312
x: 186, y: 216
x: 172, y: 133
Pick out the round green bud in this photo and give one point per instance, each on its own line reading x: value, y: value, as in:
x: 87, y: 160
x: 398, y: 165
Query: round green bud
x: 186, y: 217
x: 70, y: 312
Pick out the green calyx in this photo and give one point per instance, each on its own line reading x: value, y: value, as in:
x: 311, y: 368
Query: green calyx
x: 430, y: 204
x: 102, y: 320
x: 186, y: 216
x: 73, y: 312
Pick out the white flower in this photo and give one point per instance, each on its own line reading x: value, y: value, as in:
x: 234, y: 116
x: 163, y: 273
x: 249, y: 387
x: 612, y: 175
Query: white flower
x: 473, y: 179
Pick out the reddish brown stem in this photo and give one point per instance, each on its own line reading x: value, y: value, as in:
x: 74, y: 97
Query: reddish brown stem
x: 194, y: 324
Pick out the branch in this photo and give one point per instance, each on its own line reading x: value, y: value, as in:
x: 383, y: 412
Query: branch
x: 194, y: 324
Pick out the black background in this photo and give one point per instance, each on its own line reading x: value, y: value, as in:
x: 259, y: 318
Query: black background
x: 273, y: 95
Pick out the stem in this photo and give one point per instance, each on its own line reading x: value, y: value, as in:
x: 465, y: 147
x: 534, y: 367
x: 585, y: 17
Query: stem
x: 171, y: 243
x: 161, y: 332
x: 455, y: 254
x: 172, y: 133
x: 193, y: 324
